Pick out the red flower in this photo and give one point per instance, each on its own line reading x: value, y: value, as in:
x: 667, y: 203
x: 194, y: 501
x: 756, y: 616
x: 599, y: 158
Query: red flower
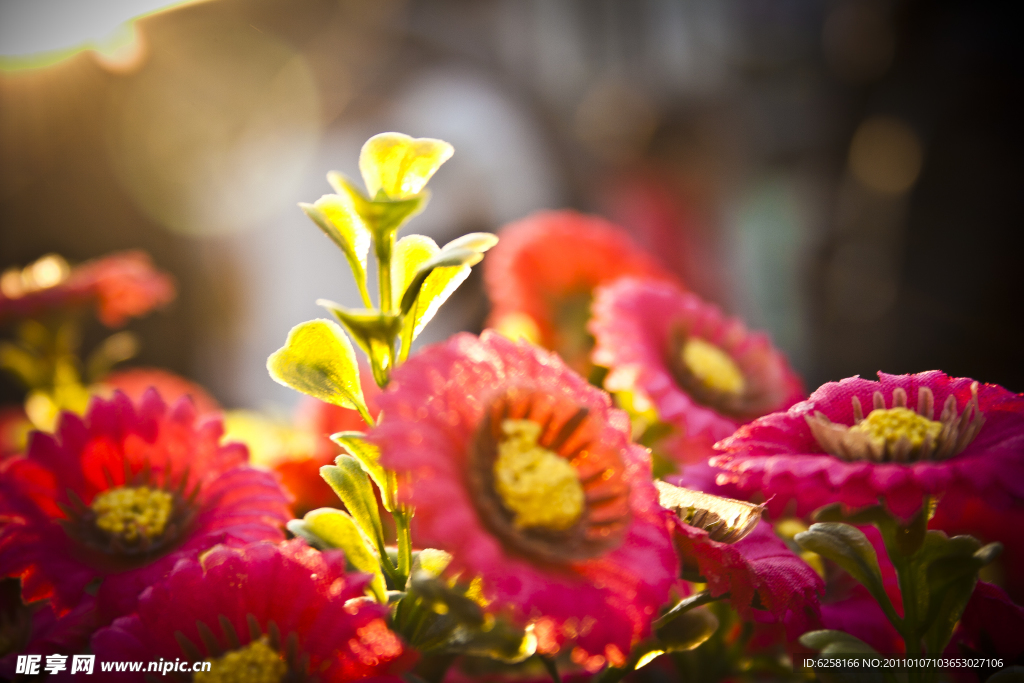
x: 261, y: 612
x: 525, y: 474
x: 963, y: 440
x: 542, y: 274
x: 121, y: 286
x: 135, y: 381
x: 121, y: 495
x: 705, y: 374
x: 759, y: 564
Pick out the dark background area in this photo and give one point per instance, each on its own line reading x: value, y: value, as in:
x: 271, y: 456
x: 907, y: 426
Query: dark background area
x: 844, y: 174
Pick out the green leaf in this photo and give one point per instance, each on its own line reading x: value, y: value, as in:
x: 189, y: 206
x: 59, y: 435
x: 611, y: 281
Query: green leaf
x: 454, y: 623
x: 374, y: 331
x: 687, y: 631
x: 317, y: 359
x: 948, y: 568
x: 349, y: 481
x: 829, y: 641
x: 329, y: 528
x: 336, y: 216
x: 834, y: 644
x: 848, y: 547
x: 905, y: 539
x: 945, y: 611
x: 432, y: 561
x: 368, y: 456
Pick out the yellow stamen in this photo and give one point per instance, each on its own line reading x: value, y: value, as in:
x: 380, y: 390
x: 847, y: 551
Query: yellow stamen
x: 539, y: 487
x: 888, y: 425
x: 257, y: 662
x: 712, y: 366
x: 133, y: 512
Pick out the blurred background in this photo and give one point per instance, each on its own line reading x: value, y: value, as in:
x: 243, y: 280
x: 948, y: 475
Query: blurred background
x: 845, y: 174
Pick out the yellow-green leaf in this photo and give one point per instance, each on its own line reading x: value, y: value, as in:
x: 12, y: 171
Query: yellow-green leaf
x: 318, y: 359
x: 336, y: 216
x: 440, y: 275
x: 335, y: 529
x: 368, y: 455
x: 349, y: 481
x: 400, y: 166
x: 411, y: 252
x: 437, y: 287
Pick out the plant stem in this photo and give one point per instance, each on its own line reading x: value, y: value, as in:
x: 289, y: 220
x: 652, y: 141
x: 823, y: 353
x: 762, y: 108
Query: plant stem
x: 408, y: 329
x: 402, y: 517
x: 365, y: 414
x: 364, y: 291
x: 384, y: 271
x: 684, y: 606
x: 552, y: 669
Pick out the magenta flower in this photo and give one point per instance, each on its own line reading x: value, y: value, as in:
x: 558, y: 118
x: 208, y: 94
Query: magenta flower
x: 526, y: 475
x: 121, y: 495
x: 262, y: 612
x: 964, y: 439
x: 758, y: 565
x: 705, y: 374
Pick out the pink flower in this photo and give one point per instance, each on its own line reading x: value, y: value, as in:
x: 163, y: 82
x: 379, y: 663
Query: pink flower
x: 542, y: 274
x: 525, y: 474
x: 705, y: 374
x: 121, y: 495
x: 286, y: 609
x: 759, y: 564
x: 121, y: 286
x: 963, y: 440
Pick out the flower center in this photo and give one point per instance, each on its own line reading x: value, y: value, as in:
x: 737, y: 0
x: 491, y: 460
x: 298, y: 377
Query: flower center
x: 546, y: 479
x: 889, y: 425
x: 540, y: 488
x: 899, y: 434
x: 257, y: 662
x: 712, y: 366
x: 133, y: 513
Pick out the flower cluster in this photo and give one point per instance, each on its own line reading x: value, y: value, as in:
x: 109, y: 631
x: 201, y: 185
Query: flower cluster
x: 503, y: 506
